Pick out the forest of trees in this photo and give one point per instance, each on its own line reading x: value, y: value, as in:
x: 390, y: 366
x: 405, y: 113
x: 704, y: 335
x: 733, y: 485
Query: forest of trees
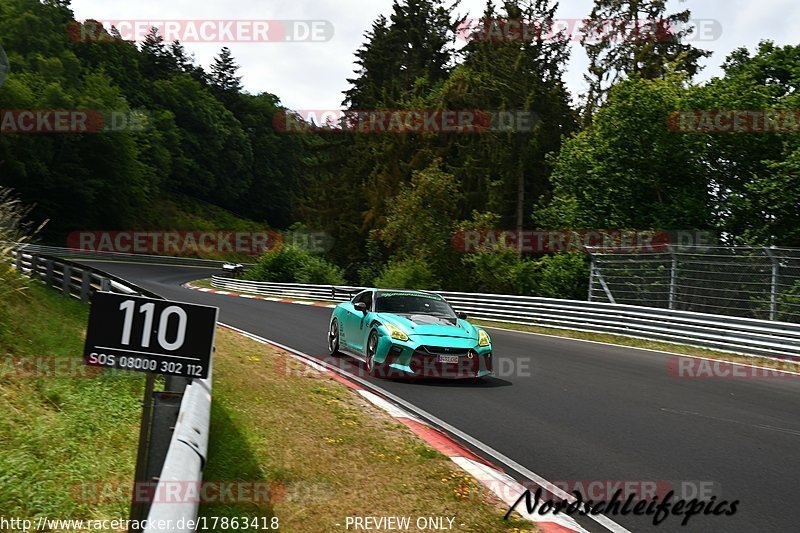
x: 605, y: 159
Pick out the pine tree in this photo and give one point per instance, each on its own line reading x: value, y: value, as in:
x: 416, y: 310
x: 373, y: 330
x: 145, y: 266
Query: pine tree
x: 223, y: 73
x: 156, y: 60
x: 375, y: 68
x: 183, y: 62
x: 635, y: 38
x: 508, y: 171
x: 414, y: 45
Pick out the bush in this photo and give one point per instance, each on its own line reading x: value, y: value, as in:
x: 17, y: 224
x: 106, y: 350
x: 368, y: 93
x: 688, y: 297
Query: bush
x: 12, y: 229
x: 317, y: 271
x: 500, y: 272
x: 408, y: 274
x: 292, y: 264
x: 564, y: 276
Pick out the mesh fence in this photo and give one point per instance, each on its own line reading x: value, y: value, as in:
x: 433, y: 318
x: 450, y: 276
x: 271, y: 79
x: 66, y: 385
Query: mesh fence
x: 755, y: 282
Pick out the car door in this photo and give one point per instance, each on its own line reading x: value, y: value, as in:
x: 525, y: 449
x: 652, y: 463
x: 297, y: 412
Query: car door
x: 355, y: 323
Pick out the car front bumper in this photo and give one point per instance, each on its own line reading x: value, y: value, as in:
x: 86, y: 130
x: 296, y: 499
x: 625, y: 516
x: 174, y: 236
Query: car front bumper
x: 419, y: 357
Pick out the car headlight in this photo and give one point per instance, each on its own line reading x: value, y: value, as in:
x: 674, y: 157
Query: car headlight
x: 396, y: 333
x: 483, y: 338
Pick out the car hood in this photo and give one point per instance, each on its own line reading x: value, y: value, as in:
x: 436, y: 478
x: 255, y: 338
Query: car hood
x: 430, y: 326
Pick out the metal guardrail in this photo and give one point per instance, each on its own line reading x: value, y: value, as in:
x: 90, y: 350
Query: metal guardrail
x: 731, y: 334
x: 74, y: 253
x: 188, y: 448
x: 185, y: 461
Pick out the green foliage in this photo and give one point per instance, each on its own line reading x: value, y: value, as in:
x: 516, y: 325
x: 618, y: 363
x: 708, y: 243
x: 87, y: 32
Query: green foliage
x: 203, y: 138
x: 628, y: 170
x: 501, y: 272
x: 293, y: 264
x: 648, y: 47
x: 408, y: 274
x: 212, y: 157
x: 755, y: 177
x: 13, y: 228
x: 564, y: 276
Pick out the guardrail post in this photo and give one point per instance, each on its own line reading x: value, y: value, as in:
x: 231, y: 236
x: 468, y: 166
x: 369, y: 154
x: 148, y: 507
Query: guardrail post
x: 86, y: 285
x: 18, y: 260
x: 592, y: 268
x: 105, y: 284
x: 773, y: 298
x: 48, y: 276
x: 34, y: 266
x: 673, y: 279
x: 66, y: 280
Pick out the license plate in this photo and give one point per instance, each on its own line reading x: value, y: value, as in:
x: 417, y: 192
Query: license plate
x: 447, y: 359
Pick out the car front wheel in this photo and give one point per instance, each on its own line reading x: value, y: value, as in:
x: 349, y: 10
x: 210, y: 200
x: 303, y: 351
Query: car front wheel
x: 372, y: 348
x: 333, y: 338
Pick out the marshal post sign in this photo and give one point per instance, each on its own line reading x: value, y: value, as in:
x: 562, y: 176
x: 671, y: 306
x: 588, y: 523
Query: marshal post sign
x: 152, y: 336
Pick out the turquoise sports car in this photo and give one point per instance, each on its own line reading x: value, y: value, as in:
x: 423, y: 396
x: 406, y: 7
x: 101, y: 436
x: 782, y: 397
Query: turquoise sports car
x: 409, y: 334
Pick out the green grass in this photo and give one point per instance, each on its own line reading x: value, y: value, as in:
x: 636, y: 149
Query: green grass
x: 177, y: 212
x: 59, y: 434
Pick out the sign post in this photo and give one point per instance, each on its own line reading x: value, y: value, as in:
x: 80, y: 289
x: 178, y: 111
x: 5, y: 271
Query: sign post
x: 153, y: 337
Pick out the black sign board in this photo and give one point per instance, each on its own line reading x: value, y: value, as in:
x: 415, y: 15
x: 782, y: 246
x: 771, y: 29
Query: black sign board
x: 152, y: 336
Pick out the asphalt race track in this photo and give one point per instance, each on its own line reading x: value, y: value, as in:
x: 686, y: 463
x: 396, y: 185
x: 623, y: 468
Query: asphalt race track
x: 581, y: 411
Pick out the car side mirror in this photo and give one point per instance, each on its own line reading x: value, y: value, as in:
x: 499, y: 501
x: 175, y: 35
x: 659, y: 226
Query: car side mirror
x: 361, y: 306
x: 462, y: 316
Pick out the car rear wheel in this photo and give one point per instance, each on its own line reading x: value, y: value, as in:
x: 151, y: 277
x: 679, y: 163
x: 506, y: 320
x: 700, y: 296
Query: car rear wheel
x: 333, y: 338
x: 372, y: 347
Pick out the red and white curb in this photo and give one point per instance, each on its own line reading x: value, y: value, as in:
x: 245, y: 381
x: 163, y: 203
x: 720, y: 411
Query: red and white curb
x: 255, y: 297
x: 507, y: 489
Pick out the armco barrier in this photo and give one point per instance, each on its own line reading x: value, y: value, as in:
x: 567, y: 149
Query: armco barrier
x: 74, y: 253
x: 187, y: 452
x: 738, y: 335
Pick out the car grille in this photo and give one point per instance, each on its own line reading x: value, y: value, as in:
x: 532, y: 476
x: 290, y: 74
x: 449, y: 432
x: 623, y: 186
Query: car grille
x: 439, y: 350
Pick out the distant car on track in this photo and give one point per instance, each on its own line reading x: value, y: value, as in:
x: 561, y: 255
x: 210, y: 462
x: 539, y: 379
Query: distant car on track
x: 233, y: 269
x: 409, y: 334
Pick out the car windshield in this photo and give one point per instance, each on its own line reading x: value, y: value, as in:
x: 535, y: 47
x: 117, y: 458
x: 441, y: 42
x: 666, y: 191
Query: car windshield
x: 413, y: 304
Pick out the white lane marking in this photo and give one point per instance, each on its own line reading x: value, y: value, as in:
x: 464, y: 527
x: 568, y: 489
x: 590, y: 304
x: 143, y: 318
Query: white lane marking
x: 488, y: 450
x: 674, y: 354
x: 303, y: 303
x: 509, y: 491
x: 247, y: 296
x: 389, y: 407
